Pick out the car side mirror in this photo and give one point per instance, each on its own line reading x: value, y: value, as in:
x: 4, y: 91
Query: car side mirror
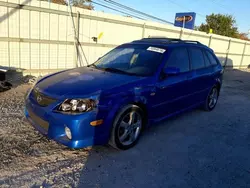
x: 171, y: 70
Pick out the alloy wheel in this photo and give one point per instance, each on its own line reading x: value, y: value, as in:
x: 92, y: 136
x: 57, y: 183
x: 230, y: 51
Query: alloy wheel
x: 129, y: 128
x: 213, y: 97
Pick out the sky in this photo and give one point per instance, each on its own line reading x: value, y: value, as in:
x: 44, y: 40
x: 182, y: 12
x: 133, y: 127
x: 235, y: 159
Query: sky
x: 166, y: 9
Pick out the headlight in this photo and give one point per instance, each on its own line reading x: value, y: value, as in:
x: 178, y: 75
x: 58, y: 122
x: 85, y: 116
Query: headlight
x: 77, y: 105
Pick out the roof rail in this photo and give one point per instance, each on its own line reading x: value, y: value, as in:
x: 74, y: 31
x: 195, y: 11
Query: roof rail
x: 192, y: 41
x: 167, y: 40
x: 163, y: 39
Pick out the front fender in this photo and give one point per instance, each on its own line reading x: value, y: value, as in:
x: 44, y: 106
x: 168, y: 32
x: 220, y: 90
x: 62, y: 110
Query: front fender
x: 117, y: 101
x: 113, y: 102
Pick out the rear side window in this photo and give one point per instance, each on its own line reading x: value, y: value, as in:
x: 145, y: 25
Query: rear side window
x: 196, y: 57
x: 207, y: 61
x: 179, y: 59
x: 212, y: 59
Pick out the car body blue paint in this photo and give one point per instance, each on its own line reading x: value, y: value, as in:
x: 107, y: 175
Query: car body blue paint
x: 162, y: 98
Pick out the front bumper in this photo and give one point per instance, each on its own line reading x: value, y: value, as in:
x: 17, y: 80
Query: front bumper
x: 52, y: 125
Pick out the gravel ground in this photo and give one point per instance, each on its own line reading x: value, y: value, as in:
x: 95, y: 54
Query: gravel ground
x: 196, y: 149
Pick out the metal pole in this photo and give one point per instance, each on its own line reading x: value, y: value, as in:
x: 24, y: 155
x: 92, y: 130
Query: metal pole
x: 243, y: 54
x: 76, y: 41
x: 210, y: 40
x: 66, y: 51
x: 39, y: 44
x: 143, y: 30
x: 19, y: 34
x: 182, y: 29
x: 77, y: 25
x: 29, y: 38
x: 75, y: 35
x: 8, y: 28
x: 181, y: 33
x: 228, y: 49
x: 57, y: 46
x: 183, y: 26
x: 49, y: 53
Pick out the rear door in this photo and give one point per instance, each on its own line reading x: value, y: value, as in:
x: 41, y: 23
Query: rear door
x: 215, y: 67
x: 200, y: 82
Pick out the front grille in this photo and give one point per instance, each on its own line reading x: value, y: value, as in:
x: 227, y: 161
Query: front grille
x: 42, y: 123
x: 42, y: 99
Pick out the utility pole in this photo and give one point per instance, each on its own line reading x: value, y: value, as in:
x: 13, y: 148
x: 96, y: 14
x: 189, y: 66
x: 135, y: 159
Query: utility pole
x: 76, y: 56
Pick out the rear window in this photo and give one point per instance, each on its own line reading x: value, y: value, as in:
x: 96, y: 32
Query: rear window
x: 197, y: 59
x: 211, y: 58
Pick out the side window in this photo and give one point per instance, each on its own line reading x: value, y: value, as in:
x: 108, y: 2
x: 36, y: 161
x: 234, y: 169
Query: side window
x: 196, y: 57
x: 207, y: 61
x: 211, y: 58
x: 179, y: 59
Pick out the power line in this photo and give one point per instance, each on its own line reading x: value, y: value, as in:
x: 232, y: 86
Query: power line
x: 116, y: 10
x: 121, y: 9
x: 135, y: 11
x: 173, y: 2
x: 221, y: 5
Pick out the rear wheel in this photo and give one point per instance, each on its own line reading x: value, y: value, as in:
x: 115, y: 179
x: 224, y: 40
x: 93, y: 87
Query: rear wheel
x: 127, y: 127
x: 212, y: 99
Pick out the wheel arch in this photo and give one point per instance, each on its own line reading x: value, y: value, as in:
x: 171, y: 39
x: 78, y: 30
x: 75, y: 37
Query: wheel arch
x: 144, y: 109
x: 218, y: 85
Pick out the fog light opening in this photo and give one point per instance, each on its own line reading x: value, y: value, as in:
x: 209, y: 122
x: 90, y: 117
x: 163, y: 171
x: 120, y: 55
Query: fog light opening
x: 68, y: 133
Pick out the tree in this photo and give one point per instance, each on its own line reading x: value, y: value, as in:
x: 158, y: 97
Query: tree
x: 243, y: 36
x: 86, y: 4
x: 221, y: 24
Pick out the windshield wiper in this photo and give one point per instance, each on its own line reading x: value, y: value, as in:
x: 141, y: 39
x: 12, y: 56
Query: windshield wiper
x: 92, y: 65
x: 109, y: 69
x: 115, y: 70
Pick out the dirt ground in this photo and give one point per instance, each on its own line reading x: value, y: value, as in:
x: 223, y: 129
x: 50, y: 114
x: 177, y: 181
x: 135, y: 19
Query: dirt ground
x: 195, y: 149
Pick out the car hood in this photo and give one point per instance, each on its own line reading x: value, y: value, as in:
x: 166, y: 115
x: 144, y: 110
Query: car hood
x: 82, y: 81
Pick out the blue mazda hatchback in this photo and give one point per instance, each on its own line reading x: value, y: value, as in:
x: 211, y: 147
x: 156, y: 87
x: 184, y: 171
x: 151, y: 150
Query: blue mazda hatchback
x: 132, y: 86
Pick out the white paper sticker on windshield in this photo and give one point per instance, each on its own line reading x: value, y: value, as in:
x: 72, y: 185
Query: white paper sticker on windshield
x: 154, y: 49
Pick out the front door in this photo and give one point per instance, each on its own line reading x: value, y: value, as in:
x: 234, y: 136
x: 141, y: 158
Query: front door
x: 172, y: 91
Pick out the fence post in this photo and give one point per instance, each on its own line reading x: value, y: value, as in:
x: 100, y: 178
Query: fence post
x: 19, y: 35
x: 76, y: 41
x: 181, y: 33
x: 210, y: 40
x: 8, y: 30
x: 143, y: 30
x: 30, y: 38
x: 228, y: 49
x: 243, y: 54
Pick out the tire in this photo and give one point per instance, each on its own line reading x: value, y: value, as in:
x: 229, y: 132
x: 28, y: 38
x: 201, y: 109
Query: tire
x: 211, y: 99
x: 127, y: 123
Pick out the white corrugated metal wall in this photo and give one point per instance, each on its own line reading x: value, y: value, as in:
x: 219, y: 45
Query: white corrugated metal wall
x: 37, y: 36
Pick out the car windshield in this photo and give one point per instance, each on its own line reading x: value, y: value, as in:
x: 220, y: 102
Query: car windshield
x: 131, y: 60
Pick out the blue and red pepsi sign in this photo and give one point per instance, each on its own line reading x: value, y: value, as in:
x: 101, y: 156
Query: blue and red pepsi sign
x: 186, y: 18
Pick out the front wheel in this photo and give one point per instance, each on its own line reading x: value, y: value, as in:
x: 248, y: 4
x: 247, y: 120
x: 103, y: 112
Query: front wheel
x: 127, y: 127
x: 212, y: 99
